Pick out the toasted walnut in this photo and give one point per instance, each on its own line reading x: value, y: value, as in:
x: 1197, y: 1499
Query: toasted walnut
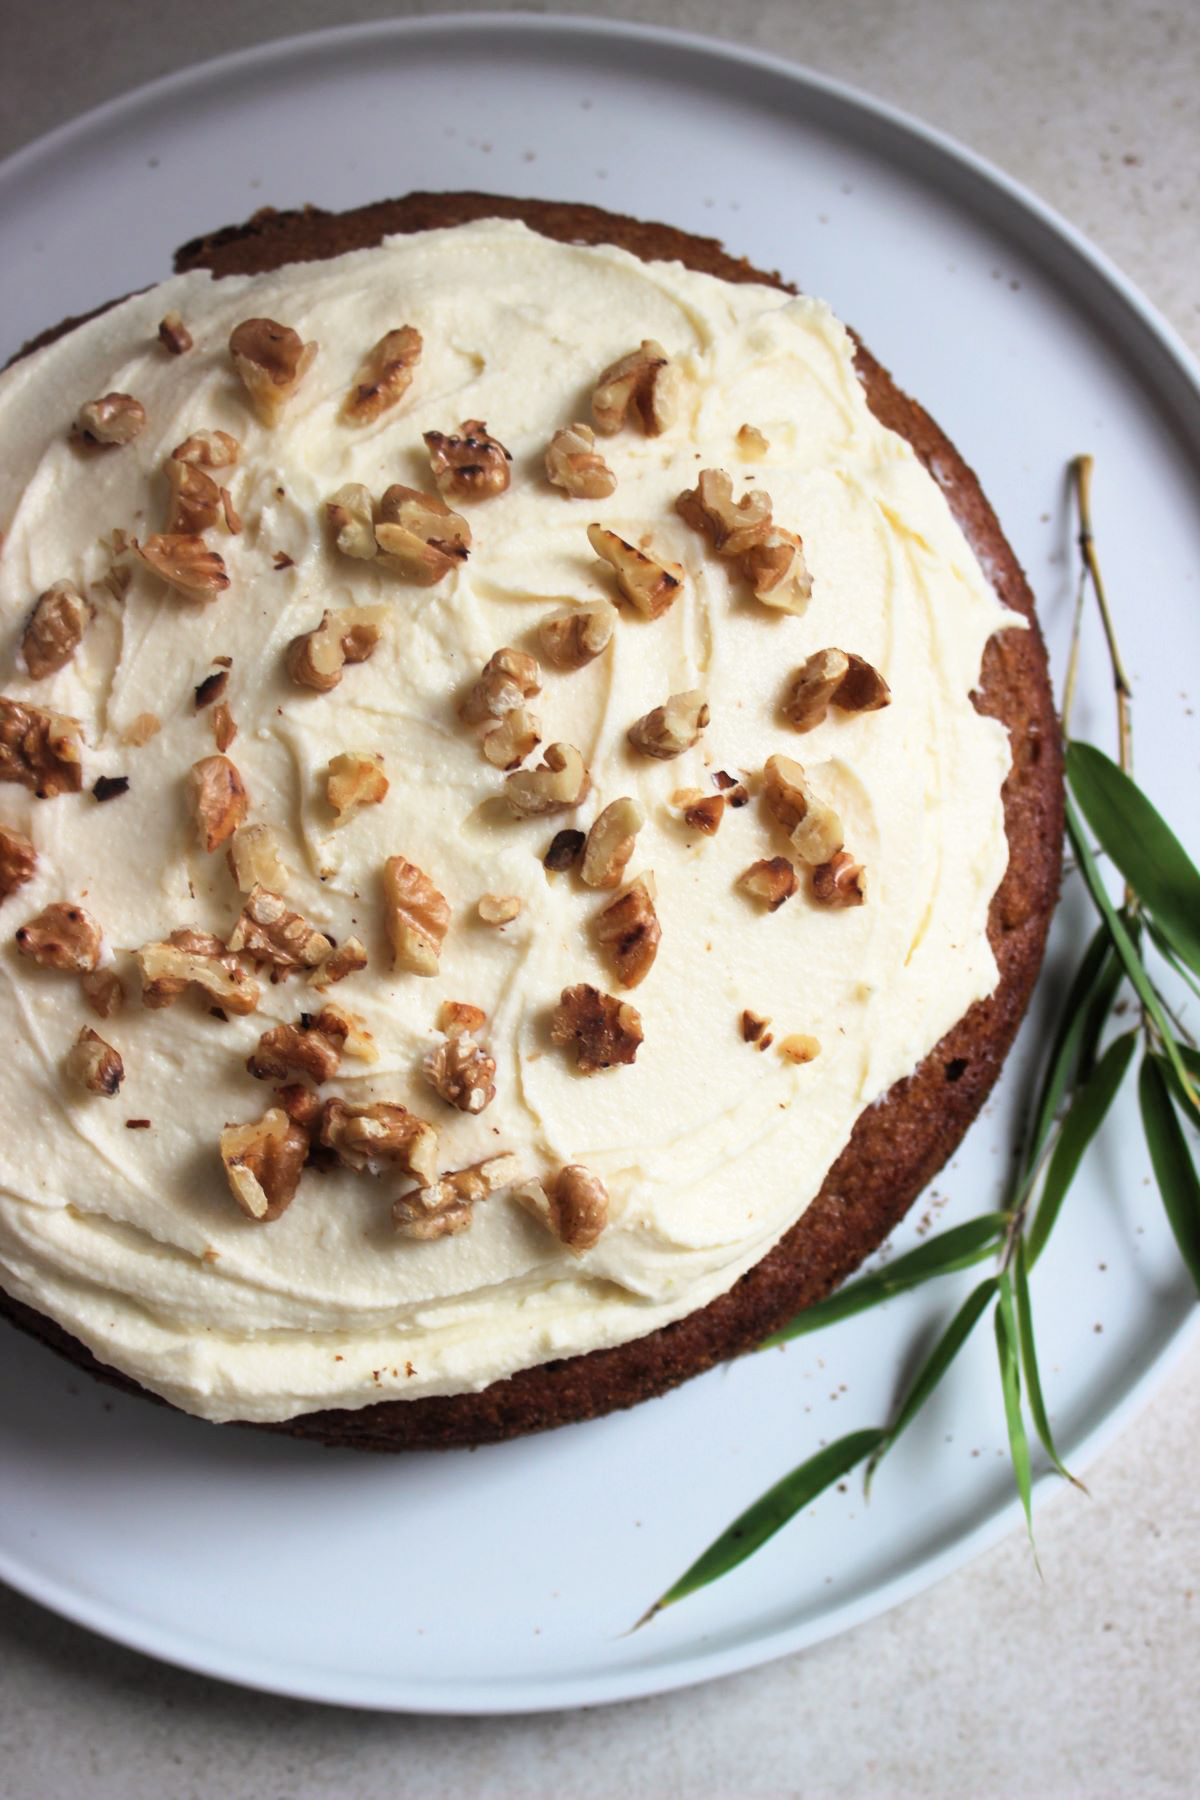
x: 839, y: 882
x: 516, y: 736
x: 457, y: 1016
x: 417, y: 917
x: 672, y: 728
x: 733, y: 527
x: 351, y: 515
x: 383, y: 1133
x: 195, y: 503
x: 833, y: 678
x: 771, y: 880
x: 211, y: 688
x: 271, y: 360
x: 254, y: 859
x: 208, y: 450
x: 55, y: 629
x: 355, y: 778
x: 223, y: 728
x: 649, y: 585
x: 446, y: 1207
x: 316, y: 658
x: 751, y: 442
x: 103, y: 991
x: 704, y: 812
x: 812, y: 825
x: 18, y: 860
x: 628, y: 929
x: 302, y: 1106
x: 385, y: 376
x: 572, y: 1204
x: 39, y: 750
x: 263, y: 1162
x: 777, y: 572
x: 577, y: 636
x: 470, y: 466
x: 347, y: 1031
x: 734, y: 791
x: 62, y: 936
x: 95, y: 1065
x: 194, y: 958
x: 645, y: 379
x: 754, y: 1029
x: 605, y: 1031
x: 413, y: 1219
x: 462, y: 1072
x: 233, y: 523
x: 268, y: 931
x: 302, y: 1049
x: 140, y: 730
x: 558, y: 783
x: 115, y: 419
x: 574, y: 463
x: 347, y: 959
x: 185, y: 562
x: 174, y: 335
x: 419, y: 536
x: 218, y: 800
x: 498, y: 909
x: 563, y: 849
x: 798, y: 1047
x: 610, y: 843
x: 508, y: 678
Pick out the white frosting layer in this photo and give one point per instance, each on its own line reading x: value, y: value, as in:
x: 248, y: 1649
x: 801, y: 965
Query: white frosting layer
x: 710, y: 1150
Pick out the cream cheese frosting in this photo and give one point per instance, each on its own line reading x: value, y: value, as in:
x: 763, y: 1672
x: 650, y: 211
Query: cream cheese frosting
x: 710, y: 1150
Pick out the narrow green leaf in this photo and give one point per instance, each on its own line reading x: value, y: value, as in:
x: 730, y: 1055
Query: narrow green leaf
x: 1081, y: 1020
x: 1010, y: 1384
x: 935, y: 1365
x: 1142, y: 845
x: 1084, y: 1119
x: 751, y: 1529
x: 1125, y: 947
x: 1174, y: 1170
x: 1029, y: 1363
x: 1164, y: 946
x: 959, y: 1248
x: 1191, y: 1061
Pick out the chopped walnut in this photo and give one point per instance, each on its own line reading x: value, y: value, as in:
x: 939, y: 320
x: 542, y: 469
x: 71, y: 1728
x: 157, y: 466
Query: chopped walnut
x: 498, y: 909
x: 316, y: 658
x: 777, y: 572
x: 573, y: 638
x: 351, y: 515
x: 140, y: 730
x: 39, y: 750
x: 457, y: 1016
x: 508, y: 678
x: 18, y: 860
x: 103, y: 991
x: 462, y: 1072
x: 446, y: 1206
x: 833, y: 678
x: 355, y: 778
x: 645, y: 379
x: 302, y: 1106
x: 605, y: 1031
x: 563, y: 849
x: 771, y: 880
x: 751, y: 442
x: 109, y: 787
x: 419, y: 536
x: 839, y: 882
x: 95, y: 1065
x: 269, y: 932
x: 62, y: 936
x: 113, y: 420
x: 417, y: 917
x: 702, y: 812
x: 254, y: 859
x: 347, y: 1031
x: 185, y: 562
x: 672, y: 728
x: 471, y: 466
x: 229, y: 513
x: 558, y: 783
x: 383, y: 1133
x: 754, y: 1029
x: 195, y: 503
x: 628, y: 929
x: 813, y: 826
x: 263, y: 1163
x: 574, y: 463
x: 302, y: 1049
x: 798, y: 1047
x: 734, y: 791
x: 211, y: 688
x: 174, y: 335
x: 218, y: 800
x: 348, y: 959
x: 224, y: 729
x: 610, y: 843
x: 572, y: 1204
x: 194, y: 958
x: 516, y: 736
x: 208, y: 450
x: 385, y: 376
x: 271, y: 360
x: 733, y: 527
x: 55, y: 629
x: 649, y: 585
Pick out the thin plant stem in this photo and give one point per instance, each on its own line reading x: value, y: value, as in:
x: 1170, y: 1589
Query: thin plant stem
x: 1081, y: 476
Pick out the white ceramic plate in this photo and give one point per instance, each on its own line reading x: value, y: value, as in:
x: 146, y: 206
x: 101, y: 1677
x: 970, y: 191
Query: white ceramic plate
x: 506, y: 1580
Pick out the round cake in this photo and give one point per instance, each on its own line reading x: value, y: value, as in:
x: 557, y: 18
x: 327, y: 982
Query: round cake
x: 531, y: 806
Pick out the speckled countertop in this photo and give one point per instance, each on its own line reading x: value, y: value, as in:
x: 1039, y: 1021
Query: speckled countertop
x: 991, y: 1683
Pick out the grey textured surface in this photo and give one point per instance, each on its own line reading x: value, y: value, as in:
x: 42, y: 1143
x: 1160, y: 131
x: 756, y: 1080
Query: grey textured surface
x: 993, y: 1683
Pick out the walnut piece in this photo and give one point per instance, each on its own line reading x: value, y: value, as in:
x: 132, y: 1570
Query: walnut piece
x: 254, y: 859
x: 185, y: 562
x: 219, y: 800
x: 349, y: 957
x: 18, y: 860
x: 572, y: 1204
x: 417, y: 917
x: 263, y: 1162
x: 498, y: 909
x: 39, y: 750
x: 211, y: 688
x: 839, y: 882
x: 208, y: 450
x: 604, y: 1031
x: 174, y: 335
x: 645, y: 379
x: 55, y: 629
x: 563, y: 849
x: 833, y: 678
x: 813, y: 826
x: 672, y: 728
x: 574, y: 463
x: 446, y: 1207
x: 316, y: 658
x: 457, y: 1016
x: 420, y: 538
x: 112, y: 420
x: 62, y: 936
x: 195, y: 503
x: 103, y: 991
x: 798, y: 1047
x: 223, y: 728
x: 95, y: 1065
x: 351, y: 516
x: 462, y: 1072
x: 141, y: 729
x: 355, y: 778
x: 702, y: 812
x: 269, y: 932
x: 302, y: 1049
x: 754, y: 1029
x: 508, y: 678
x: 471, y: 466
x: 610, y: 843
x: 649, y: 585
x: 271, y: 360
x: 777, y: 572
x: 347, y: 1031
x: 751, y: 442
x: 628, y: 929
x: 733, y: 527
x: 383, y: 1133
x: 575, y: 637
x: 384, y: 377
x: 194, y: 958
x: 516, y: 736
x: 558, y: 783
x: 771, y: 880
